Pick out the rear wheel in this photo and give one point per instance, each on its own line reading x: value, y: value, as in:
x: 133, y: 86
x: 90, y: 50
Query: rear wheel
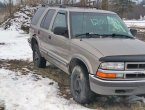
x: 38, y: 60
x: 80, y: 87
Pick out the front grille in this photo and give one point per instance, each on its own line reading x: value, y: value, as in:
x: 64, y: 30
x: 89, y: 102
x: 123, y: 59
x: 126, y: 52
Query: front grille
x: 139, y: 67
x: 140, y: 75
x: 135, y: 66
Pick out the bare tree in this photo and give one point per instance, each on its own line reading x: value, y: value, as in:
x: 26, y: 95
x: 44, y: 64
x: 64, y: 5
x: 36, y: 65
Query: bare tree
x: 83, y: 2
x: 105, y: 4
x: 22, y: 2
x: 66, y: 1
x: 98, y: 6
x: 32, y: 2
x: 122, y: 7
x: 9, y: 6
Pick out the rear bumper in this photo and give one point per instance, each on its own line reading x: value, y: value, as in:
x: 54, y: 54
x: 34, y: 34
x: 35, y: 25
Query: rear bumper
x: 105, y: 87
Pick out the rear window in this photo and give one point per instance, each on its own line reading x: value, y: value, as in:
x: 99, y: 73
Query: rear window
x: 45, y: 23
x: 37, y: 15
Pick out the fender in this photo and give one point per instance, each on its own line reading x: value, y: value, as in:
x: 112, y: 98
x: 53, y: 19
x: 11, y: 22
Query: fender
x: 84, y: 60
x: 34, y: 36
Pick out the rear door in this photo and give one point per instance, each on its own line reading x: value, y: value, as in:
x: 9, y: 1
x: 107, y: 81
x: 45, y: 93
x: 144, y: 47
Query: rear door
x: 34, y: 23
x: 44, y: 30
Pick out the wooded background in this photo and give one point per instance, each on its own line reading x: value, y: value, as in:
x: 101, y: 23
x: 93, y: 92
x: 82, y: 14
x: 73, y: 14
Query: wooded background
x: 126, y: 9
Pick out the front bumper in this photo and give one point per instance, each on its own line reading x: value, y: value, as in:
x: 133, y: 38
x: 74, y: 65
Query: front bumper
x: 105, y: 87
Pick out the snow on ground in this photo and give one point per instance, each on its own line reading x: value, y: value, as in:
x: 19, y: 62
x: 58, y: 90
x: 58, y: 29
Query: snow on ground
x: 25, y: 92
x: 135, y: 23
x: 21, y: 18
x: 15, y: 45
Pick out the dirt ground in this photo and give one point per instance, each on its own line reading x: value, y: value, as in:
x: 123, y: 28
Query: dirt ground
x: 141, y: 33
x: 1, y: 108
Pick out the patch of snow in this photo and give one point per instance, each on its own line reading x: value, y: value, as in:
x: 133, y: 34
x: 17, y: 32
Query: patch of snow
x: 27, y: 92
x: 23, y: 92
x: 15, y: 45
x: 135, y: 23
x: 22, y: 17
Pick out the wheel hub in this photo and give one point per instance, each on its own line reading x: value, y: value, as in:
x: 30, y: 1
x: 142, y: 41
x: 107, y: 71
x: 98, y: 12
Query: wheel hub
x: 77, y: 86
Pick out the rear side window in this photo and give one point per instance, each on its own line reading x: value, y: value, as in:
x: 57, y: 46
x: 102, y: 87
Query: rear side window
x: 45, y: 23
x: 37, y: 15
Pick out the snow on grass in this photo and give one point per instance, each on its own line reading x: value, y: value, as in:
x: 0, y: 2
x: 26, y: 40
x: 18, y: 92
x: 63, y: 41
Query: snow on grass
x: 15, y: 46
x: 21, y: 18
x: 135, y: 23
x: 25, y: 92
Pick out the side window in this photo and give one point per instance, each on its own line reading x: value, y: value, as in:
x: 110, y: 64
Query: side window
x: 45, y: 23
x: 37, y: 15
x: 60, y: 21
x: 60, y: 24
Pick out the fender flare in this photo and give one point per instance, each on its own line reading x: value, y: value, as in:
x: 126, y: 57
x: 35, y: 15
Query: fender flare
x: 84, y: 60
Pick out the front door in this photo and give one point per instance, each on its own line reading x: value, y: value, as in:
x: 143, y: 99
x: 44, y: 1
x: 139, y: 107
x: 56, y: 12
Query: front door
x: 60, y: 43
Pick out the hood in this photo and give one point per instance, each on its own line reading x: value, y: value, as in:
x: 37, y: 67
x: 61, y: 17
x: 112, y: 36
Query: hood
x: 112, y: 47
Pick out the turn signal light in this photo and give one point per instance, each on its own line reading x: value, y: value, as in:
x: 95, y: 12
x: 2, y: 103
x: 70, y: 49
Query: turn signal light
x: 106, y: 75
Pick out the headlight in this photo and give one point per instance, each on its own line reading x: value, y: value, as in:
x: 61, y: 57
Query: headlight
x: 112, y: 66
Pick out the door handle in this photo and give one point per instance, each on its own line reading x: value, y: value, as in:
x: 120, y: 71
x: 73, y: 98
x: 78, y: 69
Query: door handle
x: 49, y: 37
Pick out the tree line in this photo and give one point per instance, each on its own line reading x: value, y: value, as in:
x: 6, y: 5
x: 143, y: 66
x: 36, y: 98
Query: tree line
x: 128, y: 9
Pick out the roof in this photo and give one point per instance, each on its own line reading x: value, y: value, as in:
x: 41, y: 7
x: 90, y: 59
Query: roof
x: 77, y: 9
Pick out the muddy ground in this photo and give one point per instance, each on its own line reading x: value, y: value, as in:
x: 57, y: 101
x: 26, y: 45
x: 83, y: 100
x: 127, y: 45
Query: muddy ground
x: 141, y: 33
x: 1, y: 108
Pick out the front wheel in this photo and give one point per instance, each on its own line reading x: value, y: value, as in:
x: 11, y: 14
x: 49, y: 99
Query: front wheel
x: 38, y: 60
x: 80, y: 87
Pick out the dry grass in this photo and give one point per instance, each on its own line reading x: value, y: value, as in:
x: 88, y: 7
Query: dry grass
x: 1, y: 108
x: 2, y: 16
x: 141, y: 33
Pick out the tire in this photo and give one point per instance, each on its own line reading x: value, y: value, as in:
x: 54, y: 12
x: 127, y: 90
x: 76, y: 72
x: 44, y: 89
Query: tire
x: 38, y: 60
x: 80, y: 87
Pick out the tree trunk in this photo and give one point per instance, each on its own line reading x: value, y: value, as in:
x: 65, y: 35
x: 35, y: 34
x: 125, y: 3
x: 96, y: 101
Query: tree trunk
x: 105, y: 4
x: 10, y: 7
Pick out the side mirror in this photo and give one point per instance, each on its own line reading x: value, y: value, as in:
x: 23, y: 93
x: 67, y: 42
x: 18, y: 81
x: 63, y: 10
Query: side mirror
x: 133, y: 32
x: 61, y: 31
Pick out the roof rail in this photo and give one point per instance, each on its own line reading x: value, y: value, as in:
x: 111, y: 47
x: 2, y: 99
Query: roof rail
x: 54, y: 5
x: 66, y: 5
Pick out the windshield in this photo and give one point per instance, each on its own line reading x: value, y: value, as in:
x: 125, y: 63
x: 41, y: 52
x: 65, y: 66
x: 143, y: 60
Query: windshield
x: 97, y: 24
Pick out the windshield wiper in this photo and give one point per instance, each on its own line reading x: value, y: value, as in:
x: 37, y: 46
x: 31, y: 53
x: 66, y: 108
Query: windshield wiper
x: 88, y: 35
x: 117, y: 36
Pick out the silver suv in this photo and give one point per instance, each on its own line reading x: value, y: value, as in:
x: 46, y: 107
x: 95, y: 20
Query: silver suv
x: 94, y: 47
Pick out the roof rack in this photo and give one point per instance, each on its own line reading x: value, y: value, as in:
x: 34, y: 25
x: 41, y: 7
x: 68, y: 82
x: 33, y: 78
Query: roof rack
x: 54, y: 5
x: 67, y: 5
